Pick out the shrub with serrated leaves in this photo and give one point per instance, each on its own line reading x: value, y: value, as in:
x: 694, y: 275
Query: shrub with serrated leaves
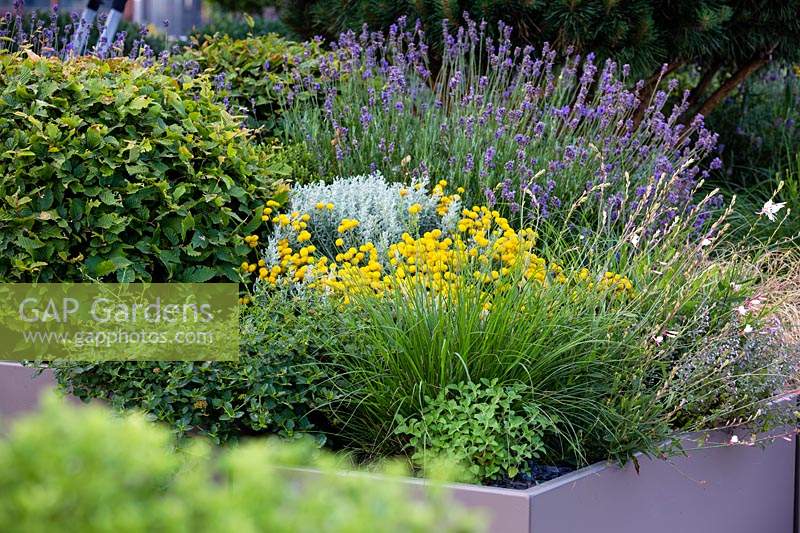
x: 276, y: 386
x: 254, y: 75
x: 489, y: 428
x: 113, y: 171
x: 75, y: 470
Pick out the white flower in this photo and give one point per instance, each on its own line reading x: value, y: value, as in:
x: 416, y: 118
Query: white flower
x: 742, y: 310
x: 635, y: 240
x: 705, y: 242
x: 748, y: 329
x: 659, y: 339
x: 771, y: 209
x: 734, y: 439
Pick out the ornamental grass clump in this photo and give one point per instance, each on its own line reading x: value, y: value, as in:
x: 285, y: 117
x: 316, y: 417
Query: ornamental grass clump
x: 525, y: 129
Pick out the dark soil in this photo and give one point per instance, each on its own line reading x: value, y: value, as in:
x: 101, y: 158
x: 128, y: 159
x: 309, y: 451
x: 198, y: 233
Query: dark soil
x: 536, y: 475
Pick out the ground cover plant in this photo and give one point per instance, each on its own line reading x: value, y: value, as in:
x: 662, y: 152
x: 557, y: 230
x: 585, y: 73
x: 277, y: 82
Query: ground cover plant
x: 71, y: 469
x: 277, y: 386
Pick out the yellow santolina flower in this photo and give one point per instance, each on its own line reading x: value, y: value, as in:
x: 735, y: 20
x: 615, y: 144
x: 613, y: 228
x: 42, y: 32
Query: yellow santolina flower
x: 484, y: 246
x: 347, y: 224
x: 320, y: 205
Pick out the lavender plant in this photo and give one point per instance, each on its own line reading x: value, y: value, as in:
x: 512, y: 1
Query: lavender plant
x: 49, y: 34
x: 527, y: 130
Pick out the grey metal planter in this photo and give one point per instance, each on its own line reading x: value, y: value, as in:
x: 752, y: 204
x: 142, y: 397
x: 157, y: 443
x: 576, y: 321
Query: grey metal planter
x: 725, y: 489
x: 20, y: 389
x: 728, y: 489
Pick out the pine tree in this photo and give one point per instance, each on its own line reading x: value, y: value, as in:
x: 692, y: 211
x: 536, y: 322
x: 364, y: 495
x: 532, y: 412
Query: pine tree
x: 728, y: 40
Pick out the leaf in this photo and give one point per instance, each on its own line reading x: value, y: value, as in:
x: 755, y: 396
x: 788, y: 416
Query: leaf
x: 138, y: 103
x: 198, y: 274
x: 104, y: 267
x: 187, y: 223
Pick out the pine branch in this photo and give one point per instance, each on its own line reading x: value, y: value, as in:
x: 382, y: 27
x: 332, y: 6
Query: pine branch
x: 744, y: 72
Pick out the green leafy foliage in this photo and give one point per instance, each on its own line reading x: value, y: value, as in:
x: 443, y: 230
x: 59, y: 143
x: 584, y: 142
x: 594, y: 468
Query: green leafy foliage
x: 238, y: 26
x: 489, y: 428
x: 759, y: 124
x: 275, y: 387
x: 254, y: 73
x: 75, y: 469
x: 242, y: 6
x: 114, y: 171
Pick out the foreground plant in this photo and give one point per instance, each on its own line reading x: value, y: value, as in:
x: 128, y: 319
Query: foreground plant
x: 76, y: 469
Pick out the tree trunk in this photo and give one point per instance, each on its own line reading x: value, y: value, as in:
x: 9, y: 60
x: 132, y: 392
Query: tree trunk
x: 706, y: 79
x: 744, y: 72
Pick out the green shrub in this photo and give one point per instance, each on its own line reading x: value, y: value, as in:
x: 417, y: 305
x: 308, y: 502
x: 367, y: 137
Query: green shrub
x: 113, y: 171
x: 254, y: 73
x: 243, y: 6
x: 487, y: 427
x: 756, y: 125
x: 237, y: 26
x: 275, y: 387
x: 83, y: 470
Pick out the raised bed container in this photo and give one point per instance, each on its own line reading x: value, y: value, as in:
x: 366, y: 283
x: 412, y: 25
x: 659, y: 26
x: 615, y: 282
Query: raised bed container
x: 716, y: 488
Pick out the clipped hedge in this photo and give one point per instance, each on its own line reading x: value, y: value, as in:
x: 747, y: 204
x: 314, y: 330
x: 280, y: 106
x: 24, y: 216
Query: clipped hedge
x: 255, y: 73
x: 112, y: 171
x: 277, y: 385
x: 72, y: 469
